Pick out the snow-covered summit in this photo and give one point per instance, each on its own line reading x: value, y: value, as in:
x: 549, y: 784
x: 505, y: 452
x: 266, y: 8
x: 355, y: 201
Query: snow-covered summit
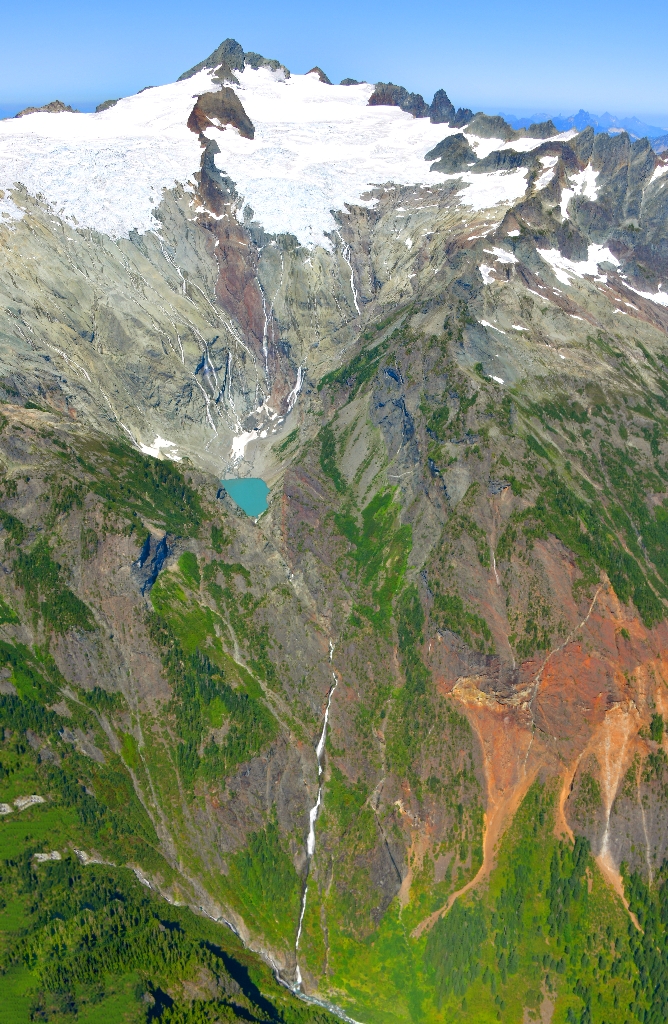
x: 317, y: 147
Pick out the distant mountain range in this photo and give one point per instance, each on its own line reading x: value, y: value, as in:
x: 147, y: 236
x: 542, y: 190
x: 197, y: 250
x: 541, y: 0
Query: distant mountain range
x: 636, y: 128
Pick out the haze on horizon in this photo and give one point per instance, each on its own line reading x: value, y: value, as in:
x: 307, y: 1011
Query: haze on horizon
x: 519, y: 59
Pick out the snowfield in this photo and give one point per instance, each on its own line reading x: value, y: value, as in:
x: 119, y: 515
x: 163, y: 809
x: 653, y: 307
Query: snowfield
x: 317, y: 148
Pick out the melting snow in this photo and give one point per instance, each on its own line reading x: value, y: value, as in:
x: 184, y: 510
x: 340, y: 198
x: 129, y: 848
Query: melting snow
x: 486, y: 273
x: 239, y: 443
x: 584, y: 185
x: 501, y: 256
x: 155, y: 449
x: 9, y: 211
x: 483, y: 147
x: 546, y: 177
x: 566, y: 196
x: 484, y: 190
x: 564, y: 267
x: 661, y: 298
x: 485, y: 324
x: 525, y: 145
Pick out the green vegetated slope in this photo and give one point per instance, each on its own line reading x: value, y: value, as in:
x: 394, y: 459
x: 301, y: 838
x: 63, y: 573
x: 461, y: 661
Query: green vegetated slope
x: 93, y: 944
x: 82, y: 938
x: 195, y: 765
x: 545, y: 931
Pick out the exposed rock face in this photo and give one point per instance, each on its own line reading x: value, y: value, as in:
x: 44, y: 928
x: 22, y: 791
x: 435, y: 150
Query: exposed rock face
x: 230, y: 57
x: 321, y: 75
x: 452, y: 154
x: 224, y: 61
x: 441, y: 110
x: 543, y: 130
x: 486, y: 127
x: 105, y: 105
x: 54, y: 107
x: 388, y: 95
x: 458, y: 403
x: 216, y: 109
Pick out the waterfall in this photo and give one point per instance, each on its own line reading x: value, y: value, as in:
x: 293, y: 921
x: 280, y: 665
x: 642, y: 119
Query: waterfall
x: 313, y: 815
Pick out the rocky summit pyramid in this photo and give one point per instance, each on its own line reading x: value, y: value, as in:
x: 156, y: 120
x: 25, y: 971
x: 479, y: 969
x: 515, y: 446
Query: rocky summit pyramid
x: 390, y: 743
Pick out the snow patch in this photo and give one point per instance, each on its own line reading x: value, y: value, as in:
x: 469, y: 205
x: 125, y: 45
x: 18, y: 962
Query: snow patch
x: 526, y: 145
x: 9, y: 211
x: 564, y: 267
x: 546, y: 177
x: 566, y: 196
x: 486, y: 273
x: 485, y: 324
x: 501, y: 256
x: 240, y: 442
x: 583, y: 184
x: 661, y: 298
x: 155, y: 449
x: 483, y: 147
x: 483, y: 191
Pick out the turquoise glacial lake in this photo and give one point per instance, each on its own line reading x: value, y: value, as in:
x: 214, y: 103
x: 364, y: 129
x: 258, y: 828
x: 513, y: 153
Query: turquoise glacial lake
x: 250, y: 494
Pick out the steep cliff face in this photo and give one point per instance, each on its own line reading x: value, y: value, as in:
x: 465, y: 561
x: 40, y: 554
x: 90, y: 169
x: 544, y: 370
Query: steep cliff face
x: 405, y: 731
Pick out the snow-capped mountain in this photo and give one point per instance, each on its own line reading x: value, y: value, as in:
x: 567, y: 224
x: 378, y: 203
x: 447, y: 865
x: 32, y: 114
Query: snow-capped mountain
x: 403, y: 732
x: 235, y: 183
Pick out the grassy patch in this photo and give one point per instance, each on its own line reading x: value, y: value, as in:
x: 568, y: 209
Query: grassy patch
x: 328, y: 458
x: 202, y: 697
x: 357, y: 372
x: 45, y: 593
x: 380, y: 554
x: 264, y: 882
x: 135, y: 485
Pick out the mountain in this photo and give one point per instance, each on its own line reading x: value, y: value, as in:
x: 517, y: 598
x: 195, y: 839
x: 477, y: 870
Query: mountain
x: 394, y: 747
x: 635, y: 128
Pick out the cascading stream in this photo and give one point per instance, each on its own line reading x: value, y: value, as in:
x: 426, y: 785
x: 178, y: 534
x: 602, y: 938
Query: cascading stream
x: 313, y: 815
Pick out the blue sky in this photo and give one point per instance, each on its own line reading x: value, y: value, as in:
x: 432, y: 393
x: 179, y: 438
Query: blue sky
x: 520, y: 56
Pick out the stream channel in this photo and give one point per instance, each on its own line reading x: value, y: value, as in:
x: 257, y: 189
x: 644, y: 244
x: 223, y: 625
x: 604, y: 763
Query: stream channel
x: 313, y: 815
